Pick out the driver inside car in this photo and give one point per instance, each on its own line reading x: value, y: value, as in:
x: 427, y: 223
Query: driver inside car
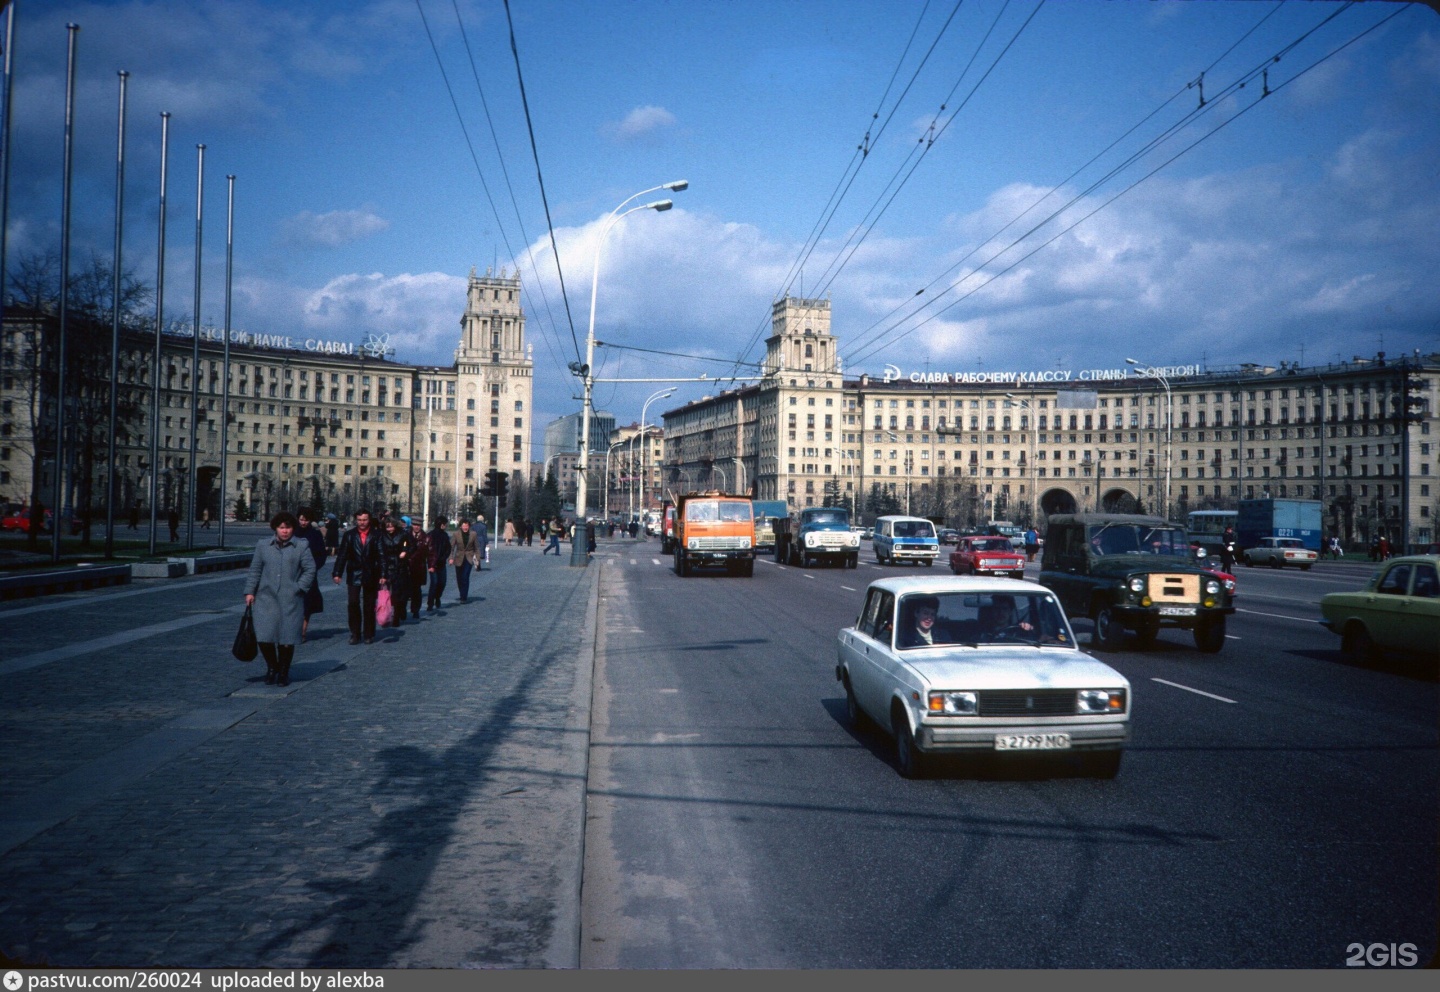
x: 1001, y: 615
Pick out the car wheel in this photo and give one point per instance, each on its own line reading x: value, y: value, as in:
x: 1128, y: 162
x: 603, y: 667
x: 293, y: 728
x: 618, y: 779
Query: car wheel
x: 1248, y: 562
x: 909, y: 760
x: 929, y: 562
x: 1276, y: 563
x: 1358, y: 644
x: 954, y: 569
x: 853, y: 712
x: 1210, y: 635
x: 1109, y: 632
x: 1101, y: 764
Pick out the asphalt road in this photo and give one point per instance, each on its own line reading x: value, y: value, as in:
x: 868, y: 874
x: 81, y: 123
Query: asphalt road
x: 1276, y: 805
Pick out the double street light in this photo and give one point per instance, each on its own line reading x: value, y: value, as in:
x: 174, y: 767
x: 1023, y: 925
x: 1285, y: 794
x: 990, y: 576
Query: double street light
x: 578, y: 554
x: 1034, y: 428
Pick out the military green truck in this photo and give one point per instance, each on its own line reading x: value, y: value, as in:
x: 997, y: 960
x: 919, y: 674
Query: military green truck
x: 1130, y: 572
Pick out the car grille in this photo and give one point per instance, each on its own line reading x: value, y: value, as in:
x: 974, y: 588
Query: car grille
x: 1027, y: 702
x: 1174, y: 588
x: 719, y: 543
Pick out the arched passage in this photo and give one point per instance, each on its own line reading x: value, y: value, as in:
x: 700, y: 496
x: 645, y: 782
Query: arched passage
x: 1057, y: 501
x: 1118, y: 501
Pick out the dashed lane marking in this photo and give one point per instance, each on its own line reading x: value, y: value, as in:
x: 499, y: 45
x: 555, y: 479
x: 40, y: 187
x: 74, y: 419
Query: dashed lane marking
x: 847, y: 588
x: 809, y: 576
x: 1277, y: 616
x: 1198, y: 692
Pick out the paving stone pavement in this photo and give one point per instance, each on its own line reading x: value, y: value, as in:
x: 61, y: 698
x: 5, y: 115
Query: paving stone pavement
x: 417, y: 802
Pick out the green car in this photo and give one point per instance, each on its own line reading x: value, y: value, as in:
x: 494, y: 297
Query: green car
x: 1398, y: 610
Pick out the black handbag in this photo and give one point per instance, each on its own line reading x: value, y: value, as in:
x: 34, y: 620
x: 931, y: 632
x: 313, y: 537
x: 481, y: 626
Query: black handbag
x: 245, y: 648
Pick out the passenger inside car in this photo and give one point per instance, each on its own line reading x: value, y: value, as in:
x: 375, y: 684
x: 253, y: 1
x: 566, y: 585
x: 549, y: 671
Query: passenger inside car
x: 918, y: 629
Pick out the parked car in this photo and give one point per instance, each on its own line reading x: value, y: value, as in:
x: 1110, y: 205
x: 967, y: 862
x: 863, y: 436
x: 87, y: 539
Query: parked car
x: 978, y: 664
x: 1398, y: 610
x: 986, y: 555
x: 1277, y: 552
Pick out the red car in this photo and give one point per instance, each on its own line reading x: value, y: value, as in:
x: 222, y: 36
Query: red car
x: 20, y: 520
x: 987, y: 555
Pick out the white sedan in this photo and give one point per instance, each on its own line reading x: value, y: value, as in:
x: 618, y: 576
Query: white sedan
x: 970, y: 664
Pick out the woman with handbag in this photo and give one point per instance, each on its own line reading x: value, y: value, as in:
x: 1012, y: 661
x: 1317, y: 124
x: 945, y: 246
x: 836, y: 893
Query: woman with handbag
x: 395, y: 550
x: 281, y: 572
x: 465, y: 556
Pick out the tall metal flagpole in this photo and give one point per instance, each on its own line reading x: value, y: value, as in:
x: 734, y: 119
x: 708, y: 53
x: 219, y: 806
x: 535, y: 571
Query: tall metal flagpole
x: 195, y: 345
x: 59, y: 520
x: 156, y: 372
x: 225, y: 371
x: 115, y: 322
x: 9, y: 79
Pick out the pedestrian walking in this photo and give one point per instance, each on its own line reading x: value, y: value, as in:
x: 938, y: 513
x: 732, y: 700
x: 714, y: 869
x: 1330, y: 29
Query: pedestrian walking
x: 332, y: 533
x: 358, y: 563
x: 509, y: 532
x: 482, y: 538
x: 205, y: 519
x: 281, y: 571
x: 464, y: 555
x: 419, y: 566
x: 1384, y: 547
x: 135, y: 516
x: 315, y: 541
x: 1227, y: 550
x: 529, y: 533
x: 174, y: 520
x: 437, y: 559
x: 395, y: 569
x: 556, y: 529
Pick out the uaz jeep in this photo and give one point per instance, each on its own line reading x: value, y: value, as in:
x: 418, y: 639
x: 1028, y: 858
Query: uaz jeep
x: 1125, y: 571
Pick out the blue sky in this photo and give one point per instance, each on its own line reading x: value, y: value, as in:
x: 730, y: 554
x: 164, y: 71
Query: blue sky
x: 1300, y: 226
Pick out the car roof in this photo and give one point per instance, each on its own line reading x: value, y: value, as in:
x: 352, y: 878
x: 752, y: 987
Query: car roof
x: 936, y: 585
x: 901, y: 516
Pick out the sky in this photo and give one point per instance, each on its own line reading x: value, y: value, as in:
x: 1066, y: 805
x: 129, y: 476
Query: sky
x: 979, y: 186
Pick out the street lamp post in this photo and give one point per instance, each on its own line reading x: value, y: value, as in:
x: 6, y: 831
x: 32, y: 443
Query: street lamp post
x: 1154, y: 373
x: 608, y: 451
x: 644, y: 441
x: 579, y: 555
x: 1034, y: 429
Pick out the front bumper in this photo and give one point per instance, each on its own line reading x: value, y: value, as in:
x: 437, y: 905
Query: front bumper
x: 1134, y: 616
x: 1083, y: 736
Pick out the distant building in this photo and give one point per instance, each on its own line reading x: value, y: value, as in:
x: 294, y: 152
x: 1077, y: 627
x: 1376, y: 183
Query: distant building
x: 1361, y: 436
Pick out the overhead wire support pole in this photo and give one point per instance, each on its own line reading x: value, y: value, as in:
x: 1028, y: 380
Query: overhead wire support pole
x: 155, y: 369
x: 115, y: 322
x: 225, y: 364
x: 59, y: 520
x: 195, y: 347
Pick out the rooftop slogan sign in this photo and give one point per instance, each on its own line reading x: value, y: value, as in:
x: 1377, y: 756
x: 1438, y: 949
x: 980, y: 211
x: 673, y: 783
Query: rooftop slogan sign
x: 894, y: 374
x: 374, y: 345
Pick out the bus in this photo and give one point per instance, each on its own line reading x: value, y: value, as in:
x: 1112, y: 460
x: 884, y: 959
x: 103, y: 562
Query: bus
x: 1206, y: 527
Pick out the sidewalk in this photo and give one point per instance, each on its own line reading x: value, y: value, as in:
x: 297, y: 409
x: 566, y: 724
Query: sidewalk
x: 414, y: 803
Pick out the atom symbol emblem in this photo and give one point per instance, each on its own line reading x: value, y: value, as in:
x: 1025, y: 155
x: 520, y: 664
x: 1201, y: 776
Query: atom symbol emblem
x: 377, y: 345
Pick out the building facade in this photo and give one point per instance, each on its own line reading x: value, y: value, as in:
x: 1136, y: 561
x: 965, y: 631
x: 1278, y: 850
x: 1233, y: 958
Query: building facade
x: 309, y: 421
x: 1360, y: 436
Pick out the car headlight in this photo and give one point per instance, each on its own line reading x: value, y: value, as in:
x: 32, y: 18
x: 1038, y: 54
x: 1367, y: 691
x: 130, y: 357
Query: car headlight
x: 1229, y: 585
x: 1212, y: 587
x: 954, y: 703
x: 1137, y: 583
x: 1100, y: 701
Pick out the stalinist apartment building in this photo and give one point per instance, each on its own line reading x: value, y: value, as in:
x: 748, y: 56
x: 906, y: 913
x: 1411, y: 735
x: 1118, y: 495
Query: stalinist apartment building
x: 309, y: 420
x: 1361, y: 436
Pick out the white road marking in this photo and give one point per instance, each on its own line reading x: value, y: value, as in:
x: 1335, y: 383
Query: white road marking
x: 179, y: 583
x: 1231, y: 637
x: 847, y: 589
x: 1277, y: 616
x: 633, y: 561
x: 1198, y: 692
x: 654, y: 561
x: 669, y: 690
x: 809, y: 576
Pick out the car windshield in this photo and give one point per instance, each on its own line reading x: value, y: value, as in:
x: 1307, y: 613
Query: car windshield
x: 709, y: 510
x: 1138, y: 539
x: 992, y: 544
x: 826, y: 517
x: 914, y: 528
x: 926, y: 620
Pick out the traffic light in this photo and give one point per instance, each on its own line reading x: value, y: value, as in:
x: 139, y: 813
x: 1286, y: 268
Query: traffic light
x: 502, y: 485
x: 491, y: 484
x: 1415, y: 389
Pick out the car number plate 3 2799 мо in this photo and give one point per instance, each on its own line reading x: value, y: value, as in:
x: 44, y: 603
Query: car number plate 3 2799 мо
x: 1031, y: 742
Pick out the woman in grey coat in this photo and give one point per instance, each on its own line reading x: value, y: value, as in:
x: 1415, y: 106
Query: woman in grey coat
x: 281, y: 572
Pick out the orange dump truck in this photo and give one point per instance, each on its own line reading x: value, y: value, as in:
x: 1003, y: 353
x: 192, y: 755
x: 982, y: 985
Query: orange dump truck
x: 714, y: 528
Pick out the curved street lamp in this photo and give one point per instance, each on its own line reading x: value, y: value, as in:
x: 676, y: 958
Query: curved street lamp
x: 578, y: 555
x: 644, y: 441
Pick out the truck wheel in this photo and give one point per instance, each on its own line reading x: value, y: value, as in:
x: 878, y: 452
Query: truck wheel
x: 852, y: 561
x: 682, y: 568
x: 1210, y: 635
x: 747, y: 568
x: 1109, y: 632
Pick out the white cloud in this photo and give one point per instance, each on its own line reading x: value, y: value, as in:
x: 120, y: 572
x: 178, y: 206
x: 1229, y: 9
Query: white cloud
x: 330, y: 230
x: 420, y: 312
x: 642, y: 122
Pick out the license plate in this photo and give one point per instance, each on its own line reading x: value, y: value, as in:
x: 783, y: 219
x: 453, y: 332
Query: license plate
x: 1031, y: 742
x: 1177, y: 611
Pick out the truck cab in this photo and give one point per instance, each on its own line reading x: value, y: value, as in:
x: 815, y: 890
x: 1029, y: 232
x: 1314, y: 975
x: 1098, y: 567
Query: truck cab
x: 817, y: 534
x: 768, y: 512
x: 714, y: 528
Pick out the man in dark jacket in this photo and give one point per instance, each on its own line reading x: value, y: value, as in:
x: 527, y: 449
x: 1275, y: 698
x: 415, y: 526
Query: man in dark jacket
x: 359, y: 560
x: 439, y: 556
x: 419, y: 566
